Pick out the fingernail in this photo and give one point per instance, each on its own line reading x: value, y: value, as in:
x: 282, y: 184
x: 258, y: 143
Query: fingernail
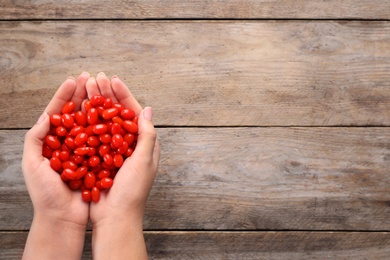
x: 85, y: 73
x: 101, y: 74
x: 148, y: 113
x: 42, y: 118
x: 114, y: 77
x: 71, y: 77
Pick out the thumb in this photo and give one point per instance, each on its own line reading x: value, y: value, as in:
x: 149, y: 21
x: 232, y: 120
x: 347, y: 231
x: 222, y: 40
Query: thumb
x: 146, y: 136
x: 32, y: 152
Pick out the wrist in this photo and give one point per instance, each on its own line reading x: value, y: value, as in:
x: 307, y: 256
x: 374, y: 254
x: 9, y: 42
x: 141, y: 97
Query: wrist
x: 118, y: 218
x: 54, y: 238
x: 58, y: 221
x: 118, y: 237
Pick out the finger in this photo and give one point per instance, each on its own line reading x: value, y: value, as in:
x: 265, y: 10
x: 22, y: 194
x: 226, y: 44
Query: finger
x: 124, y: 96
x: 34, y: 141
x: 104, y: 85
x: 62, y: 95
x: 92, y: 88
x: 147, y: 136
x: 81, y: 92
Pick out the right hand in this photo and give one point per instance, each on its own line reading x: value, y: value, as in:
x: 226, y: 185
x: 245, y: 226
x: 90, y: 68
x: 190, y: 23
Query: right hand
x: 127, y: 197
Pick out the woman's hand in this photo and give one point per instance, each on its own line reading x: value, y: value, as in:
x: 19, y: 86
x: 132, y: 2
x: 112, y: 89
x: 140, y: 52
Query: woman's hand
x: 60, y: 216
x: 117, y: 217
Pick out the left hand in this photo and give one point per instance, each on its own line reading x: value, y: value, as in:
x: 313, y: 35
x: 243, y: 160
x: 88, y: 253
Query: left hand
x: 50, y: 196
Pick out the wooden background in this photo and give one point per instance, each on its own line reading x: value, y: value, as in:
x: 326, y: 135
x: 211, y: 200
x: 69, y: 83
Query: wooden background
x: 273, y: 118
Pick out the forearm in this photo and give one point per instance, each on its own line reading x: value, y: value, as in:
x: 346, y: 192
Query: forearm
x: 51, y: 238
x: 118, y: 239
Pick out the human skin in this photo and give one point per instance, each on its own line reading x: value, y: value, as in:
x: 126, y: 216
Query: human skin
x: 60, y: 215
x: 117, y: 217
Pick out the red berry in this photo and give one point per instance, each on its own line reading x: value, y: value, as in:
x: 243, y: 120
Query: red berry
x: 107, y: 103
x: 56, y: 120
x: 76, y: 158
x: 104, y: 149
x: 69, y: 165
x: 116, y: 129
x: 97, y: 100
x: 75, y: 184
x: 69, y: 174
x: 108, y: 159
x: 127, y: 114
x: 76, y: 130
x: 46, y: 151
x: 69, y: 142
x: 87, y: 105
x: 67, y: 121
x: 86, y: 195
x: 118, y: 120
x: 92, y: 116
x: 55, y: 163
x: 80, y: 118
x: 61, y: 131
x: 95, y: 194
x: 52, y: 142
x: 89, y: 180
x: 91, y: 151
x: 81, y: 171
x: 129, y: 152
x: 94, y: 161
x: 93, y: 141
x: 110, y: 113
x: 89, y: 130
x: 100, y: 129
x: 81, y: 150
x: 118, y: 160
x: 64, y: 156
x: 118, y: 106
x: 99, y: 185
x: 129, y: 138
x: 56, y: 153
x: 117, y: 140
x: 135, y: 120
x: 123, y: 148
x: 106, y: 182
x: 81, y: 139
x: 130, y: 126
x: 105, y: 138
x: 100, y: 110
x: 68, y: 107
x: 103, y: 173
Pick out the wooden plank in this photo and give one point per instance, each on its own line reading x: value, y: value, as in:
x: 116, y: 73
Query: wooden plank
x: 247, y: 178
x: 241, y: 245
x: 267, y: 245
x: 147, y: 9
x: 12, y: 245
x: 266, y: 73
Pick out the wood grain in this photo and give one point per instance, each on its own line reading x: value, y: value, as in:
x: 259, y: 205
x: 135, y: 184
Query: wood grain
x: 230, y: 82
x: 247, y: 179
x: 241, y: 245
x: 265, y: 73
x: 235, y: 9
x: 267, y: 245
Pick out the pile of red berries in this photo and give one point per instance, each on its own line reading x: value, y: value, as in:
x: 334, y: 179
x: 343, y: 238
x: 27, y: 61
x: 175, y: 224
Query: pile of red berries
x: 88, y: 148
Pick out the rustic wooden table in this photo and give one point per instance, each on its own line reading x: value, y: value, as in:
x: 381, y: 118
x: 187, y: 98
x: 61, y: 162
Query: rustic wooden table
x: 273, y: 118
